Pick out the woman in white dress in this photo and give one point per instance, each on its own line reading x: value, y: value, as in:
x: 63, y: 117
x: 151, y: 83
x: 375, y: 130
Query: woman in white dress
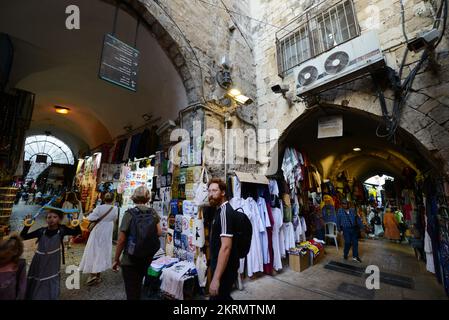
x: 97, y: 256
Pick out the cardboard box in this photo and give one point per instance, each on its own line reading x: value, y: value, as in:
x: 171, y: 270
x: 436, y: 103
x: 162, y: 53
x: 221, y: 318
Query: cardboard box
x: 314, y: 261
x: 298, y: 262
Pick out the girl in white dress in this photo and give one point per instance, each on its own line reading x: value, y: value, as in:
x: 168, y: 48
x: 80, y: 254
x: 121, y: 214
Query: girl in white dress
x: 97, y: 256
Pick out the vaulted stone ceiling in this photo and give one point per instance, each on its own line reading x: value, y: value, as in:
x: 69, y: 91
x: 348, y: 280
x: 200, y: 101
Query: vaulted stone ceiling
x: 61, y: 67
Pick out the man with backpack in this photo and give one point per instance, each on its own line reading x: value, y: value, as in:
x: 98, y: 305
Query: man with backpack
x: 230, y: 239
x: 139, y: 241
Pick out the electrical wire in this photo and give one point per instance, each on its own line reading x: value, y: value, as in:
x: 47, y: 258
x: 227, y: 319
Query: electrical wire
x: 236, y: 24
x: 402, y: 91
x: 243, y: 15
x: 444, y: 22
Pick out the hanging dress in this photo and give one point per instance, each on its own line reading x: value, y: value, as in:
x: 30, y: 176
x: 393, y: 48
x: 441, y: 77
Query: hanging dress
x: 263, y: 213
x: 430, y: 266
x: 254, y: 259
x: 277, y: 217
x: 268, y: 268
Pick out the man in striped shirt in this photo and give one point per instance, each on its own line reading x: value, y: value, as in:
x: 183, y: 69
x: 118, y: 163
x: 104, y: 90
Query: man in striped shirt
x: 349, y: 223
x: 224, y: 258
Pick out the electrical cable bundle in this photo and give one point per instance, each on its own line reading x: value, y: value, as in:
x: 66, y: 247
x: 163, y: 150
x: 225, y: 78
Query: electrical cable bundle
x: 402, y: 90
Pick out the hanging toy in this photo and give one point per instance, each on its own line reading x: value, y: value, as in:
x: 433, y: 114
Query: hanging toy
x: 30, y: 221
x: 73, y: 222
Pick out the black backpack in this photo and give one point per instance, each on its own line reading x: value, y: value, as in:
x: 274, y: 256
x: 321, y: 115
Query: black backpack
x: 243, y: 232
x: 142, y: 240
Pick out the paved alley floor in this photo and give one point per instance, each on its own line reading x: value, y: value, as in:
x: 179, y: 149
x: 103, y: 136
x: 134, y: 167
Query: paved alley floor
x: 314, y: 283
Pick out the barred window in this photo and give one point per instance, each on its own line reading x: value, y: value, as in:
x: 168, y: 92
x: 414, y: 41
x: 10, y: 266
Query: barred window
x: 320, y: 32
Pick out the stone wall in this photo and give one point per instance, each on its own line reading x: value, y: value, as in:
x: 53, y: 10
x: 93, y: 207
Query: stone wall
x: 196, y: 35
x: 426, y: 115
x: 199, y: 33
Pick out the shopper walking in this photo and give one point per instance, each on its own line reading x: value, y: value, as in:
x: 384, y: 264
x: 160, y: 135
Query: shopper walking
x: 224, y: 258
x: 350, y: 224
x: 97, y: 254
x: 138, y: 241
x: 391, y: 226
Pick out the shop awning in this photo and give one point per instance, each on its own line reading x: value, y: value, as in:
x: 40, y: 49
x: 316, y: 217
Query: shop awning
x: 251, y: 177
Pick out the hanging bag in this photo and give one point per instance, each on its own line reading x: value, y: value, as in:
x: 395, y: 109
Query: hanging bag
x: 198, y: 232
x: 201, y: 191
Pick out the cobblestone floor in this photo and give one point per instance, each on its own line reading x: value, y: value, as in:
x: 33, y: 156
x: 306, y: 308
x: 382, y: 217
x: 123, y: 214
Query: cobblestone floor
x: 314, y: 283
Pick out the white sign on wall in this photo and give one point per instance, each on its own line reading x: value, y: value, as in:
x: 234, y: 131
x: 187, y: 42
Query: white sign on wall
x: 331, y: 126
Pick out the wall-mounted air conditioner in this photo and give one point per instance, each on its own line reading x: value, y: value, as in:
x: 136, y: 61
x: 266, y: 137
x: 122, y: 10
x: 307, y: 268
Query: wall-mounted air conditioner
x: 339, y: 65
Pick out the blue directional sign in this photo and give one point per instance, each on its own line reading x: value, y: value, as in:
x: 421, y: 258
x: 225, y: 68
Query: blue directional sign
x: 119, y: 63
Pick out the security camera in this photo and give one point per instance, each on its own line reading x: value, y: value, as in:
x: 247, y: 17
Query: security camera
x: 279, y: 88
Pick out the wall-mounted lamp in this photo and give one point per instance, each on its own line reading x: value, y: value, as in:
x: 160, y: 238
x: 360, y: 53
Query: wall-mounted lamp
x: 61, y: 110
x: 357, y: 149
x: 239, y: 97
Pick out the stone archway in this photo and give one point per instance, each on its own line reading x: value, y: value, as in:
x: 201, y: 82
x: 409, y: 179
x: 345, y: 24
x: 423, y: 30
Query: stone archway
x: 425, y: 116
x: 172, y: 41
x: 378, y: 154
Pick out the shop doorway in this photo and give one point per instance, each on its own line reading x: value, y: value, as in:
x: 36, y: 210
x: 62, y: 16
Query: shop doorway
x: 343, y: 166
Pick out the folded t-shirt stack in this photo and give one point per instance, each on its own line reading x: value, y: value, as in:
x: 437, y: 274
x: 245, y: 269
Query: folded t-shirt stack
x: 173, y: 278
x: 163, y: 262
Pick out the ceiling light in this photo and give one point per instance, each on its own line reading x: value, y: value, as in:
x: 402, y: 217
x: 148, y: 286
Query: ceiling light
x: 62, y: 110
x: 357, y: 149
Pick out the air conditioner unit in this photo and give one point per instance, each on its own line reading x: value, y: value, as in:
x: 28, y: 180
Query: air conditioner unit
x: 341, y: 64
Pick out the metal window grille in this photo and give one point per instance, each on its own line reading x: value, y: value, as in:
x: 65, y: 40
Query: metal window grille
x: 313, y: 33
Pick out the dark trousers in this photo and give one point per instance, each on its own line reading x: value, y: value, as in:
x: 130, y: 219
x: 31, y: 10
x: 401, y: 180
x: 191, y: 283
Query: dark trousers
x: 226, y: 282
x: 319, y: 234
x: 133, y: 278
x: 351, y: 239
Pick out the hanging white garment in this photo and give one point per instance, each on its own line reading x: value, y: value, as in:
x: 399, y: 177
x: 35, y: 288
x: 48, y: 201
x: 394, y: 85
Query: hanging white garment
x: 263, y: 212
x: 254, y: 259
x: 298, y: 231
x: 430, y: 266
x: 277, y: 217
x: 289, y: 236
x: 273, y: 187
x: 304, y: 229
x: 282, y: 240
x: 97, y: 254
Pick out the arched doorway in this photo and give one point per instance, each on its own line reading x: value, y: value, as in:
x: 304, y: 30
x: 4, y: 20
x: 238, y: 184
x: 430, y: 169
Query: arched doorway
x: 344, y: 162
x: 61, y: 66
x: 41, y: 151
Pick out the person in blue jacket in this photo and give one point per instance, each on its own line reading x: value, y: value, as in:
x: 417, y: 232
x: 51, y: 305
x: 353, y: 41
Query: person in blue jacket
x: 349, y: 223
